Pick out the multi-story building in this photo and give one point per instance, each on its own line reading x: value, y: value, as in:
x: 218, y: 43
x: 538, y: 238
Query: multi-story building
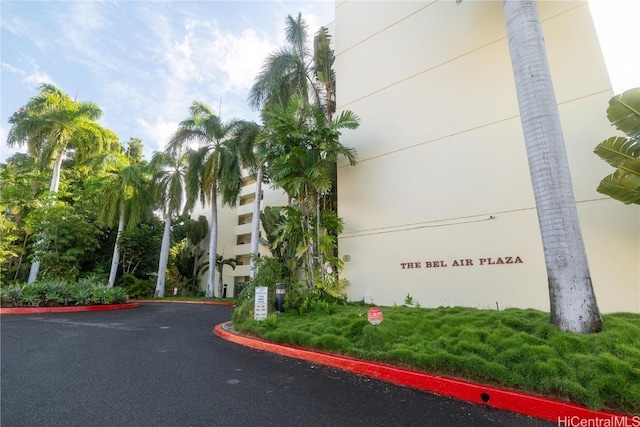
x: 440, y: 206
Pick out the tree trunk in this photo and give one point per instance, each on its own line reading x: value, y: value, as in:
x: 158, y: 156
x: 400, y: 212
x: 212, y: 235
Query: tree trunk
x: 55, y: 177
x: 53, y: 188
x: 164, y: 258
x: 116, y: 249
x: 213, y: 245
x: 24, y: 246
x: 319, y: 257
x: 255, y: 224
x: 33, y: 271
x: 196, y: 258
x: 573, y: 303
x: 220, y: 282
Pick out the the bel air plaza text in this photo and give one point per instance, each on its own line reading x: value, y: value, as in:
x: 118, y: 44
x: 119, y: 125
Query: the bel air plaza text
x: 464, y: 262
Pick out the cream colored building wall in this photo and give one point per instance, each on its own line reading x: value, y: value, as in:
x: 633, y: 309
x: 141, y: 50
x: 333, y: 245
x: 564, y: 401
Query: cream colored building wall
x: 226, y: 239
x: 228, y: 231
x: 443, y: 174
x: 270, y: 197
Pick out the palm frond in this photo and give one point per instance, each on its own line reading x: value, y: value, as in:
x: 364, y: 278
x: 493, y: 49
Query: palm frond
x: 618, y: 149
x: 611, y: 186
x: 624, y: 112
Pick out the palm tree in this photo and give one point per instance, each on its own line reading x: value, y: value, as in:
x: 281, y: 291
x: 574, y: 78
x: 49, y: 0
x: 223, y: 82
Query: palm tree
x: 323, y: 59
x: 220, y: 263
x: 251, y: 147
x: 51, y: 124
x: 126, y: 200
x: 197, y: 234
x: 293, y: 72
x: 572, y: 299
x: 214, y: 169
x: 169, y: 180
x: 288, y: 71
x: 303, y: 152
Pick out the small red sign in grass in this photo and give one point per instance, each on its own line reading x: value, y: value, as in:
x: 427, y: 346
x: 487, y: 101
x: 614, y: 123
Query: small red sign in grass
x: 375, y: 316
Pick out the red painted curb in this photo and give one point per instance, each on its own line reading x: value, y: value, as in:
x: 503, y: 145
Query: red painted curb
x: 559, y: 412
x: 69, y: 309
x: 143, y: 301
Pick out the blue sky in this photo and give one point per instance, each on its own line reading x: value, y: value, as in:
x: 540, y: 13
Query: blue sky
x: 144, y: 62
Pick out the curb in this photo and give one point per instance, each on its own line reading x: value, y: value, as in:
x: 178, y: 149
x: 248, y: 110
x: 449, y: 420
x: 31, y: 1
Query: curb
x: 144, y: 301
x: 556, y: 411
x: 69, y: 309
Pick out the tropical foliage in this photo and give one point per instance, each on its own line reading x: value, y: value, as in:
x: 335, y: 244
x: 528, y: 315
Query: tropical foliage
x: 54, y: 292
x: 297, y: 150
x: 62, y: 238
x: 623, y: 152
x: 107, y: 207
x: 214, y: 168
x: 168, y: 189
x: 126, y: 182
x: 52, y: 125
x: 220, y: 263
x: 304, y: 151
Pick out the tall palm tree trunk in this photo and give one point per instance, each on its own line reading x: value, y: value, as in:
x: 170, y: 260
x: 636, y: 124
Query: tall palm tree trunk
x: 572, y: 299
x: 33, y: 271
x: 55, y: 177
x: 24, y: 245
x: 164, y: 258
x: 53, y: 188
x: 196, y: 259
x: 115, y: 259
x: 213, y: 246
x: 255, y: 224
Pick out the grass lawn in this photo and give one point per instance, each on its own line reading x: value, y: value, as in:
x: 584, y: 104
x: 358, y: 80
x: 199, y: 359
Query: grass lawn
x: 513, y: 348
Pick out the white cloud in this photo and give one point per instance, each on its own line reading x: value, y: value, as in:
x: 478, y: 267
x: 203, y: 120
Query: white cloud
x: 85, y: 35
x: 27, y: 30
x: 6, y: 151
x: 13, y: 70
x: 156, y: 134
x: 37, y: 77
x: 240, y: 58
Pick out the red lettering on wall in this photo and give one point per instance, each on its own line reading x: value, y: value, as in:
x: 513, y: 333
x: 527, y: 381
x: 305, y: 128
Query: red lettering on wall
x: 463, y: 262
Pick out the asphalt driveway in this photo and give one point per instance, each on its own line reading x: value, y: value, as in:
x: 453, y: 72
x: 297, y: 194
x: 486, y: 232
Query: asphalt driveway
x: 161, y: 365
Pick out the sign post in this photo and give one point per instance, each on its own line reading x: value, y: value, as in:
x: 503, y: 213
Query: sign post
x: 260, y: 307
x: 374, y: 315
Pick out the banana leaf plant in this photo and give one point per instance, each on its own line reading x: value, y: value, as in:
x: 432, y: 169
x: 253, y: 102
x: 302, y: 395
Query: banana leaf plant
x: 623, y: 152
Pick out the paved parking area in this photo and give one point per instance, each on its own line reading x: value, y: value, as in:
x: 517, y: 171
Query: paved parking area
x: 161, y: 365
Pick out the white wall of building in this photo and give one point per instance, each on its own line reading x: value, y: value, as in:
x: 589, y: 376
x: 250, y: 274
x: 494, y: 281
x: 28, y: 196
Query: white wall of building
x: 443, y: 173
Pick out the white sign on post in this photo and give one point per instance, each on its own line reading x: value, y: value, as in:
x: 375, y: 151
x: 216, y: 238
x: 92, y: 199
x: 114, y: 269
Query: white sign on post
x: 260, y: 308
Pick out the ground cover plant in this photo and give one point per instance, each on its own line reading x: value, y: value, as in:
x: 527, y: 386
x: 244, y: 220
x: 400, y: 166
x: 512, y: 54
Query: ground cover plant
x: 50, y: 293
x: 513, y: 348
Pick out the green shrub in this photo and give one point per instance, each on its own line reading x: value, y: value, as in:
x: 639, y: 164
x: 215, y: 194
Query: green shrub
x: 119, y: 295
x: 86, y: 291
x: 11, y: 295
x: 34, y: 294
x: 81, y: 295
x: 92, y: 280
x: 137, y: 288
x: 101, y: 295
x: 56, y: 291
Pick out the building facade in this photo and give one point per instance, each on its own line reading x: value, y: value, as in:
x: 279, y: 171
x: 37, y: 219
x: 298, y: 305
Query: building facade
x: 440, y: 206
